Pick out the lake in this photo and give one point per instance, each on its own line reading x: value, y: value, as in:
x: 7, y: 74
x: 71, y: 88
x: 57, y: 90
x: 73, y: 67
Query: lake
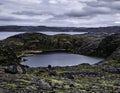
x: 4, y: 35
x: 59, y: 59
x: 54, y: 59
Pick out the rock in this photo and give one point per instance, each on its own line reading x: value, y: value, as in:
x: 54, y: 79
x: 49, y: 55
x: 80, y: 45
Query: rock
x: 71, y: 76
x: 19, y: 70
x: 51, y: 70
x: 42, y: 84
x: 72, y: 85
x: 52, y: 73
x: 14, y: 69
x: 54, y: 92
x: 49, y: 66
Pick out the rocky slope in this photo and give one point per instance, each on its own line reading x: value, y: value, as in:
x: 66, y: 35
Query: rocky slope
x: 84, y: 78
x: 110, y: 48
x: 91, y: 44
x: 7, y: 56
x: 84, y: 44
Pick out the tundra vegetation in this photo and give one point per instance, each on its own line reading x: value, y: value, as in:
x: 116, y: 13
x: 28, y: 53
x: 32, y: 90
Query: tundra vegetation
x: 103, y: 77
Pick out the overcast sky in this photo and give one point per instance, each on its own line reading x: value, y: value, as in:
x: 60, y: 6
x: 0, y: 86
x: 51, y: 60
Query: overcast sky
x: 78, y: 13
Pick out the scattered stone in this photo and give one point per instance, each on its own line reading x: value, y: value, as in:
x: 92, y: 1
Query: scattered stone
x: 49, y: 67
x: 71, y: 76
x: 52, y: 73
x: 42, y: 84
x: 14, y: 69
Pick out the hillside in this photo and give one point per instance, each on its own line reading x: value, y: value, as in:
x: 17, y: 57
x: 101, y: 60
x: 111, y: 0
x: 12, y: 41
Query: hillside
x: 112, y: 29
x: 100, y: 45
x: 103, y: 77
x: 7, y: 56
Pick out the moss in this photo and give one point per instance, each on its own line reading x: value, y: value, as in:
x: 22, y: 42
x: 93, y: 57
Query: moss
x: 87, y: 78
x: 34, y: 87
x: 13, y: 85
x: 57, y: 81
x: 7, y: 56
x: 1, y: 90
x: 25, y: 81
x: 113, y: 62
x: 53, y: 80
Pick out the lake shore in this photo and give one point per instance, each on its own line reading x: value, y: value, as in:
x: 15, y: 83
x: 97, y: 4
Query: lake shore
x: 84, y: 78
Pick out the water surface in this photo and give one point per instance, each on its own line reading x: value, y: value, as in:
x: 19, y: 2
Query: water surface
x: 4, y: 35
x: 59, y: 59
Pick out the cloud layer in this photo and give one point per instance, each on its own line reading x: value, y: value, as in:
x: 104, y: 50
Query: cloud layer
x: 79, y: 13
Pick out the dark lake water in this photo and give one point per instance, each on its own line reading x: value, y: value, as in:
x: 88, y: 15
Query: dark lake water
x: 59, y: 59
x: 4, y: 35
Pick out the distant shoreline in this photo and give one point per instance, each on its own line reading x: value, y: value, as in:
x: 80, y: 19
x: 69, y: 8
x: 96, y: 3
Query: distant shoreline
x: 109, y: 29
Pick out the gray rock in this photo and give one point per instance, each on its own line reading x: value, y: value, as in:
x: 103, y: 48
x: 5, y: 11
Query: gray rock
x: 42, y: 84
x: 14, y: 69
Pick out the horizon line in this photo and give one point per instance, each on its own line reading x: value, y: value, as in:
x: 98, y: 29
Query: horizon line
x: 58, y: 26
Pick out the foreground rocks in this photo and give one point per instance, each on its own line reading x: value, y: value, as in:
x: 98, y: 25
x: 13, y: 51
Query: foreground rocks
x: 82, y: 78
x: 15, y: 69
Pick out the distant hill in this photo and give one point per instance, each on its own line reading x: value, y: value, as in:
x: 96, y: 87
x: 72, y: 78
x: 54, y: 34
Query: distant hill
x: 111, y: 29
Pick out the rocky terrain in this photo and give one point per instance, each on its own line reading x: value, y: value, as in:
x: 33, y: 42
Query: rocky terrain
x: 83, y: 44
x: 7, y: 56
x: 83, y: 78
x: 103, y: 77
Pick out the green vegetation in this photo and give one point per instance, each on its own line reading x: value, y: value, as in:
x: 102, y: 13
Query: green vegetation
x: 103, y: 77
x: 75, y: 79
x: 7, y: 56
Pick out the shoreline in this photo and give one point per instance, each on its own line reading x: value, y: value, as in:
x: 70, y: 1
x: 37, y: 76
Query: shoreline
x: 81, y: 78
x: 33, y: 52
x: 37, y: 52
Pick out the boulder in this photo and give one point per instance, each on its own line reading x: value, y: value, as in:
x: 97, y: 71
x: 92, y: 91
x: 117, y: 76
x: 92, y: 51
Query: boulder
x: 42, y: 84
x: 70, y: 76
x: 13, y: 69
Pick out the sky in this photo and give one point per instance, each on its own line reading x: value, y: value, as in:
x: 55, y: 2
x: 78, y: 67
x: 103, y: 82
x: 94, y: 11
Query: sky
x: 65, y: 13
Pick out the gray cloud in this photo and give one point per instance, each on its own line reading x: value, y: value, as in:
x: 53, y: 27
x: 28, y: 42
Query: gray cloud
x: 8, y: 19
x: 89, y: 12
x: 111, y: 4
x: 32, y: 13
x: 1, y: 3
x: 60, y: 12
x: 28, y: 13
